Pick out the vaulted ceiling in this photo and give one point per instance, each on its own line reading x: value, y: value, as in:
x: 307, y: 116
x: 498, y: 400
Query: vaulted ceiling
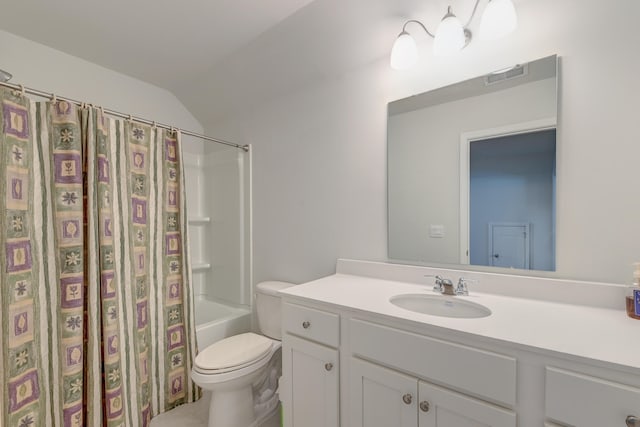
x: 222, y: 56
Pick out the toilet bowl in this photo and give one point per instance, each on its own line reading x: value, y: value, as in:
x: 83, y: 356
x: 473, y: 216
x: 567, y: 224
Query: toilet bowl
x: 231, y: 368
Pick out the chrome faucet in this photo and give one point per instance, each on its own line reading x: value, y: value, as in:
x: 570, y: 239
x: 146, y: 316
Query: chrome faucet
x: 443, y: 286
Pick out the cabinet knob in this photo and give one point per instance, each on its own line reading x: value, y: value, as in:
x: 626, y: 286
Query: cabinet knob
x: 328, y: 366
x: 424, y: 406
x: 407, y: 398
x: 633, y: 421
x: 306, y: 324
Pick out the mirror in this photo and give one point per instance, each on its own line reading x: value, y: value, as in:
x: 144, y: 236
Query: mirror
x: 471, y: 171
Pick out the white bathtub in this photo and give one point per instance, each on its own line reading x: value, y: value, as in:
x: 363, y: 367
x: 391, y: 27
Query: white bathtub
x: 216, y: 321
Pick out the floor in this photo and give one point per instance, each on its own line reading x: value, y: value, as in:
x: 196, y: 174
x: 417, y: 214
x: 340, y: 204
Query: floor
x: 195, y: 415
x: 190, y: 415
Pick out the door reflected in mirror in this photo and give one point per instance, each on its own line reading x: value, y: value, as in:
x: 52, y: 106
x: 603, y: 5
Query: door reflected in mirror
x: 471, y: 171
x: 511, y: 200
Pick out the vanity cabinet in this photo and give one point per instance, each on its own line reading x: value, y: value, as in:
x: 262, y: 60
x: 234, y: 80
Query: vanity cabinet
x: 576, y: 399
x: 412, y: 398
x: 381, y: 397
x: 312, y: 383
x: 487, y: 375
x: 352, y: 360
x: 310, y: 367
x: 440, y: 407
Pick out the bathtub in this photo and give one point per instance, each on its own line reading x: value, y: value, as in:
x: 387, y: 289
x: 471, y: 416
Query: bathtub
x: 215, y: 321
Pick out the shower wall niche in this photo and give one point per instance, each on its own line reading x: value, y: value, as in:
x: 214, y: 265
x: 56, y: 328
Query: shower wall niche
x: 218, y: 186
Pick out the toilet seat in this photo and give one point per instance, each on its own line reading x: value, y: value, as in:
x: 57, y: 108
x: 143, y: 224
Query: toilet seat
x: 232, y: 368
x: 233, y: 353
x: 254, y: 357
x: 217, y: 377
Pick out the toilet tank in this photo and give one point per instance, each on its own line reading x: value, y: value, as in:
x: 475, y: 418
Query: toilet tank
x: 268, y: 308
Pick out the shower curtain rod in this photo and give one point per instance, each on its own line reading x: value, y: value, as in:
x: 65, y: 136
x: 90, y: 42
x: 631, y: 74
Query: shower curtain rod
x: 121, y: 115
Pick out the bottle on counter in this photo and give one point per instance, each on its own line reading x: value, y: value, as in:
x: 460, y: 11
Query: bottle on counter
x: 633, y: 297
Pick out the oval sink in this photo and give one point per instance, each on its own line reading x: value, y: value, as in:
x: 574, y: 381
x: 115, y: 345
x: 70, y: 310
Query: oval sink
x: 439, y: 305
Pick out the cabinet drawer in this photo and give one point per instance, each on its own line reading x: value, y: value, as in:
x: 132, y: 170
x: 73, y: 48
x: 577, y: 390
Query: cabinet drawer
x: 581, y: 400
x: 312, y: 324
x: 488, y: 375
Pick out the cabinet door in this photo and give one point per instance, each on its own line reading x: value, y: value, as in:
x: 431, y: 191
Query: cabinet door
x: 444, y: 408
x: 311, y: 380
x: 381, y: 397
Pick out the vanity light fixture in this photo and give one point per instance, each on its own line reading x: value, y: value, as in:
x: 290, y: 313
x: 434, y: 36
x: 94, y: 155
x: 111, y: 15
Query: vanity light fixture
x: 498, y: 20
x: 450, y: 35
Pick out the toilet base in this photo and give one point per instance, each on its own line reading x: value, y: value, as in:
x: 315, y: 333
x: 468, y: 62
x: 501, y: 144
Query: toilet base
x: 232, y: 393
x: 232, y: 408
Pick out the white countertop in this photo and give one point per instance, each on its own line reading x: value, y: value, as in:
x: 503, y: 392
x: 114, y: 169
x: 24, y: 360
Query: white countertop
x: 600, y: 334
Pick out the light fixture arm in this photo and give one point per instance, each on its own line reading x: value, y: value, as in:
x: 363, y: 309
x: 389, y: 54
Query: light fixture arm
x: 467, y: 32
x: 473, y: 13
x: 404, y: 27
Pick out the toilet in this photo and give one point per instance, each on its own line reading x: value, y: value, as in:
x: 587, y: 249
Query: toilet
x: 230, y: 368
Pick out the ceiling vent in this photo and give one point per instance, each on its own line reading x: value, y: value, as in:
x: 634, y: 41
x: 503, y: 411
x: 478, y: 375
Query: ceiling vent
x: 504, y: 75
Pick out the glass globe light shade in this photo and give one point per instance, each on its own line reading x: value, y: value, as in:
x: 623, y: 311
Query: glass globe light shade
x: 404, y: 53
x: 498, y: 20
x: 449, y: 37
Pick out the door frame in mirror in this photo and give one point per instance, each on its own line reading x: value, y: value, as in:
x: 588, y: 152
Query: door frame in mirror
x: 466, y: 138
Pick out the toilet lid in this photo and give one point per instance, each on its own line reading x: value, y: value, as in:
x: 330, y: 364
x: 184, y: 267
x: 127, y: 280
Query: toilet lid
x: 235, y: 351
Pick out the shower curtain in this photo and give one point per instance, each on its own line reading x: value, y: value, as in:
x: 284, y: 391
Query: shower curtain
x: 96, y: 303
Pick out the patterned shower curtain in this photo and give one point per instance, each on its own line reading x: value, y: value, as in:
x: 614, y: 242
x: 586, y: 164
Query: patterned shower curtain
x: 95, y: 303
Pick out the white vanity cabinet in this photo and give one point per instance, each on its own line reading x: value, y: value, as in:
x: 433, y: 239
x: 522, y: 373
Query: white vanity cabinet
x: 310, y: 367
x: 440, y: 407
x: 577, y: 399
x: 382, y: 397
x: 352, y: 359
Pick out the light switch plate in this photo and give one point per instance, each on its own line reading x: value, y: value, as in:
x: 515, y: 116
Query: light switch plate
x: 436, y: 230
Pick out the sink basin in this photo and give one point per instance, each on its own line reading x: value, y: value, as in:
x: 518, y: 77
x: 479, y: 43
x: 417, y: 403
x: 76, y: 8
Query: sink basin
x: 439, y: 305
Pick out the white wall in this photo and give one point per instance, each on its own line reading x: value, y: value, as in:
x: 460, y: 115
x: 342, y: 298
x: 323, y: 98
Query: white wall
x: 318, y: 177
x: 40, y: 67
x: 320, y: 154
x: 424, y: 157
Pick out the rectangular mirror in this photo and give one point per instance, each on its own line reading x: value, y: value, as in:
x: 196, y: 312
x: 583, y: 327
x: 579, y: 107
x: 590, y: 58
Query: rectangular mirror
x: 471, y: 171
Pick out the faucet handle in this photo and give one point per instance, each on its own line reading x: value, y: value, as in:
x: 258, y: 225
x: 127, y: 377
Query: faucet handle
x: 462, y: 288
x: 441, y: 283
x: 438, y: 283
